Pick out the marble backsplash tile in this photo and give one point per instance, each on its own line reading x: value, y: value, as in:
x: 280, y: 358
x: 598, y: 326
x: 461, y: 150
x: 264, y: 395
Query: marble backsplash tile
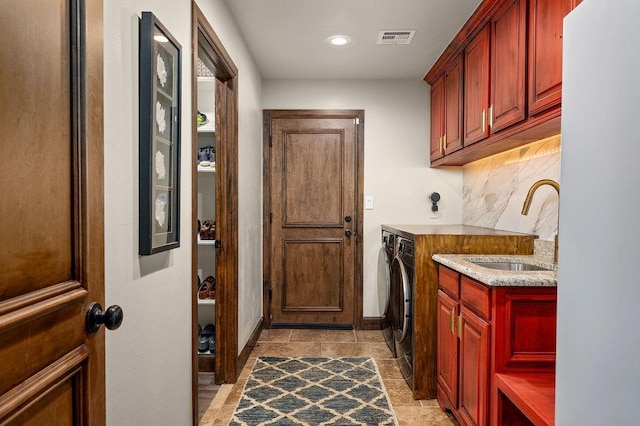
x: 494, y: 189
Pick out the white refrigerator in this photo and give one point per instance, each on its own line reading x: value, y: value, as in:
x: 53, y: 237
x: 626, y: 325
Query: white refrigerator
x: 598, y: 347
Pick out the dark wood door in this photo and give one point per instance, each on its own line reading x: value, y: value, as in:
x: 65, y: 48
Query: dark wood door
x: 313, y: 215
x: 545, y: 52
x: 453, y: 106
x: 508, y: 60
x: 473, y: 398
x: 437, y: 118
x: 51, y: 212
x: 447, y: 359
x: 476, y: 88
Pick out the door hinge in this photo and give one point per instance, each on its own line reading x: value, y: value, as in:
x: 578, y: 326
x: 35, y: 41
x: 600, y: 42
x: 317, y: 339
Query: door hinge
x: 270, y: 134
x: 270, y: 217
x: 270, y: 293
x: 356, y: 121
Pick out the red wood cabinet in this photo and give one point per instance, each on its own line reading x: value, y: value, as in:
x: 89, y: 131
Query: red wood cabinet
x: 476, y: 88
x: 486, y: 330
x: 508, y: 61
x: 463, y: 347
x: 545, y: 52
x: 446, y: 111
x: 511, y: 81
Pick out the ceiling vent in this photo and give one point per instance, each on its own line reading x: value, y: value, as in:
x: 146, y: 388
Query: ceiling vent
x: 396, y: 36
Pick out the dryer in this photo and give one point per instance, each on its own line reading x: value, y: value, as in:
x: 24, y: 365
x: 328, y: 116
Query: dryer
x: 385, y: 257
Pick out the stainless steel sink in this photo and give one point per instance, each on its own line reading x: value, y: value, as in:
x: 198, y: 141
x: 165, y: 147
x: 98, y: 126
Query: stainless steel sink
x: 512, y: 266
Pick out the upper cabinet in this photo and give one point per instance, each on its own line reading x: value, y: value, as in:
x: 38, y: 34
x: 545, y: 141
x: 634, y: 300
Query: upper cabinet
x: 446, y: 111
x: 508, y: 60
x: 545, y: 52
x: 510, y: 54
x: 476, y: 83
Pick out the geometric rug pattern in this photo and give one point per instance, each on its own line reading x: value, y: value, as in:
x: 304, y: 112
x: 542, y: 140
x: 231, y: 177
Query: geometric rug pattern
x: 313, y: 391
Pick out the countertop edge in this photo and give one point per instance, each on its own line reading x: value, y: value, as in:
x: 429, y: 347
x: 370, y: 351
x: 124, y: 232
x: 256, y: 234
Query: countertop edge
x: 497, y: 278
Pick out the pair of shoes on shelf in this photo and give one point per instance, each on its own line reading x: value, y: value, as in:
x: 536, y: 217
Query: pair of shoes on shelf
x: 207, y: 338
x: 207, y: 289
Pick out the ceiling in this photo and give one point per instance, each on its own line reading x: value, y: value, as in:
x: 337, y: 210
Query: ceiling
x: 287, y: 37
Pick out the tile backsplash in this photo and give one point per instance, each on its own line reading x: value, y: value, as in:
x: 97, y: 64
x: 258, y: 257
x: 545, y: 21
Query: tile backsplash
x: 494, y: 189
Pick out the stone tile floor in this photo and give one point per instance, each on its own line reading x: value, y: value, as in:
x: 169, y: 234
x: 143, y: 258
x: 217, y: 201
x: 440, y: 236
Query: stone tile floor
x: 331, y: 343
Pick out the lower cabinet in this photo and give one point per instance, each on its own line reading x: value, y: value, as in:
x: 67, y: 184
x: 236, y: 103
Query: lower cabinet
x: 483, y: 330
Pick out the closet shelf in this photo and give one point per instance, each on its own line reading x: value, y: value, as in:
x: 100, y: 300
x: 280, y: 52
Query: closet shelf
x: 210, y: 169
x: 206, y: 242
x: 210, y: 125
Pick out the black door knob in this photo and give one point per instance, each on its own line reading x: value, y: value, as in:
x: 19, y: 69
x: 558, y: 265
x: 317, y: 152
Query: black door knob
x: 111, y: 318
x: 347, y: 232
x: 347, y: 218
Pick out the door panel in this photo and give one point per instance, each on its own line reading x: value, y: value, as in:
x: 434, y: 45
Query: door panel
x: 447, y: 358
x: 312, y: 179
x: 313, y: 275
x: 51, y: 212
x: 545, y: 52
x: 474, y: 369
x: 508, y: 59
x: 312, y: 191
x: 476, y: 88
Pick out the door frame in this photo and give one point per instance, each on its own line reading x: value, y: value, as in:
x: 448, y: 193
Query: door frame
x: 226, y: 116
x: 268, y: 115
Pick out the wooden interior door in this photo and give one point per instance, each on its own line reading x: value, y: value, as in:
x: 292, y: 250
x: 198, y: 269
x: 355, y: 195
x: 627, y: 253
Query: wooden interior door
x: 208, y: 47
x: 313, y: 219
x: 51, y: 212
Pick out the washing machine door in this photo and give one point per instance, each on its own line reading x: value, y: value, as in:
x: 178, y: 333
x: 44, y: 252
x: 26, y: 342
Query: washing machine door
x: 401, y: 276
x: 384, y: 281
x: 402, y: 316
x: 384, y: 295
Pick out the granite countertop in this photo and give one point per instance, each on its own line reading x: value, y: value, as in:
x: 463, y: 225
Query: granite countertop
x: 492, y: 277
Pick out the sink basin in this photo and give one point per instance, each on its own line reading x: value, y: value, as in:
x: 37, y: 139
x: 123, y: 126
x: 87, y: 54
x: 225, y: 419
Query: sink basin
x: 512, y: 266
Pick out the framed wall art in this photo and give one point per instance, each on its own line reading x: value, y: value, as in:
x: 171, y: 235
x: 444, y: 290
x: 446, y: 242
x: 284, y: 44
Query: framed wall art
x: 159, y: 145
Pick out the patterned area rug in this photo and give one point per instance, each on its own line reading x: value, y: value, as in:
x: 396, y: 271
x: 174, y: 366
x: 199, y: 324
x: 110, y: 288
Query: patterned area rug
x: 314, y: 391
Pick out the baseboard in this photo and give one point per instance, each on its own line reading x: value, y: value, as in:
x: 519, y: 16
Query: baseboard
x: 371, y: 323
x: 251, y: 343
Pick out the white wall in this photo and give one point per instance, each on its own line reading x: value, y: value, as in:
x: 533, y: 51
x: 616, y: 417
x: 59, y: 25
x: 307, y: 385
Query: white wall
x: 396, y: 157
x: 250, y: 168
x: 598, y: 374
x: 148, y: 360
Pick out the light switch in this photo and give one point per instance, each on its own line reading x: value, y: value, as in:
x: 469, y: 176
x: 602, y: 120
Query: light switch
x: 368, y: 202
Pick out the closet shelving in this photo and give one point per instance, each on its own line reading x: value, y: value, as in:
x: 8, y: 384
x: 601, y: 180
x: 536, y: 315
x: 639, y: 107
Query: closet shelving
x: 206, y: 207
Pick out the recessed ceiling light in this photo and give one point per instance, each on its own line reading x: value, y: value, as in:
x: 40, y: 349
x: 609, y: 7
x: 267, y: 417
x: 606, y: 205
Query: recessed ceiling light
x: 339, y: 40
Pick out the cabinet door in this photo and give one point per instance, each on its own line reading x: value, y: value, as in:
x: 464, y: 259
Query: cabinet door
x: 473, y: 384
x: 437, y: 118
x: 447, y: 358
x: 453, y: 107
x: 508, y: 59
x: 476, y: 88
x: 545, y: 52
